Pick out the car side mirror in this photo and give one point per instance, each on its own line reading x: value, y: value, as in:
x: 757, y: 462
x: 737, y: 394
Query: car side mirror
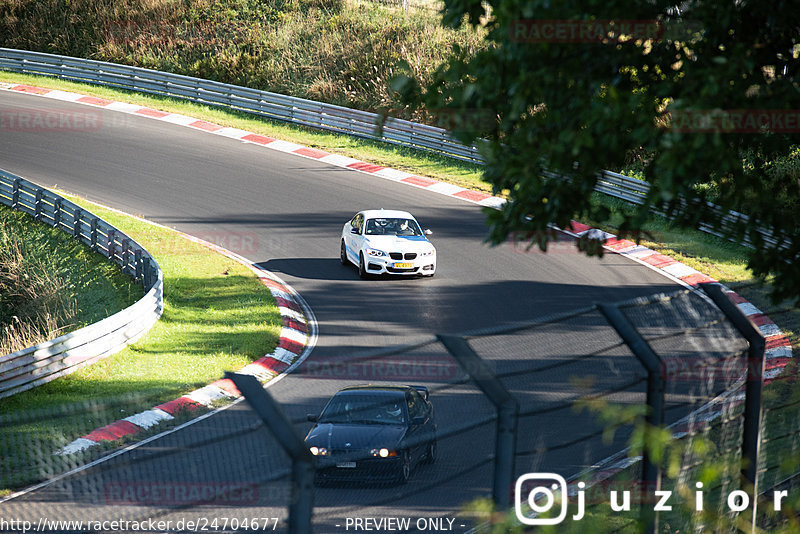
x: 418, y: 420
x: 312, y: 417
x: 354, y: 231
x: 428, y: 232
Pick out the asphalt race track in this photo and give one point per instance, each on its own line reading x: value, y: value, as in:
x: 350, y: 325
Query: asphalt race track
x: 290, y: 210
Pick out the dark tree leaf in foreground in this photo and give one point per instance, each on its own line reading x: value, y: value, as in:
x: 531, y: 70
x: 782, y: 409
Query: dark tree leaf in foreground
x: 703, y: 96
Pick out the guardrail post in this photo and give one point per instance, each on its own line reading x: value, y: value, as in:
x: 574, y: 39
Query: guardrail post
x: 651, y: 471
x: 93, y: 234
x: 507, y: 415
x: 751, y: 431
x: 146, y: 274
x: 57, y: 212
x: 125, y: 255
x: 77, y: 216
x: 137, y: 267
x: 110, y: 244
x: 37, y: 205
x: 301, y: 503
x: 15, y: 193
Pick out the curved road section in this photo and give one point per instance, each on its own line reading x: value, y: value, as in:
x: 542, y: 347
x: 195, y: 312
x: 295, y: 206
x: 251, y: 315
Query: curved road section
x: 289, y: 211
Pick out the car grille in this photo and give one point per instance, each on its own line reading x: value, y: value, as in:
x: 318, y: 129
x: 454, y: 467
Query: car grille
x: 342, y: 455
x: 399, y: 256
x: 393, y: 270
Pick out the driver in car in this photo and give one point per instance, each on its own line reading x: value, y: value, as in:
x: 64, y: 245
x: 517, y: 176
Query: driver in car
x: 392, y: 412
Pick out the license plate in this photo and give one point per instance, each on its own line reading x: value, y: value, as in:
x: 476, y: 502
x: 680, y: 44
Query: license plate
x: 403, y: 265
x: 346, y: 465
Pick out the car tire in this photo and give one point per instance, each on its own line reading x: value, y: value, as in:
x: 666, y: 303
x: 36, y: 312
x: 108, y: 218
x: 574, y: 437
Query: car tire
x: 430, y: 453
x: 343, y: 254
x: 404, y: 470
x: 362, y: 269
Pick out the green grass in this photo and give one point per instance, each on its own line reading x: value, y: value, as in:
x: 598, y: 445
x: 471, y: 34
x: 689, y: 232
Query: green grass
x: 83, y: 285
x: 217, y: 317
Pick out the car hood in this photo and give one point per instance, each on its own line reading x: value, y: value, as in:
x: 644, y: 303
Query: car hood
x: 337, y: 436
x: 393, y: 243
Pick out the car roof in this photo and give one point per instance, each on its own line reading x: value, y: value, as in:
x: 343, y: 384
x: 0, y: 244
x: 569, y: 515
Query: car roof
x: 397, y: 214
x: 380, y: 390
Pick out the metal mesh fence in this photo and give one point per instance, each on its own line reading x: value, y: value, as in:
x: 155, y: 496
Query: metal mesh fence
x: 579, y: 395
x: 180, y: 476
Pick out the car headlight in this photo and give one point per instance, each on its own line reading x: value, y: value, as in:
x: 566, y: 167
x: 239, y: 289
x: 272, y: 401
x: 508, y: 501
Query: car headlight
x: 383, y: 453
x: 374, y: 252
x: 428, y: 253
x: 318, y: 451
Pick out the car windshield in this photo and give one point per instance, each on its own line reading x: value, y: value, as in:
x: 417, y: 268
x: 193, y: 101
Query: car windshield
x: 393, y: 226
x: 364, y: 409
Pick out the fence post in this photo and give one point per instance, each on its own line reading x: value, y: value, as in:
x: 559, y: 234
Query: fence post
x: 651, y: 471
x: 301, y: 505
x: 751, y: 431
x: 507, y: 414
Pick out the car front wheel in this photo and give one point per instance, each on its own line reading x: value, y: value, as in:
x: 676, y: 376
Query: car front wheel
x: 430, y: 452
x: 343, y: 254
x: 362, y: 269
x: 404, y: 469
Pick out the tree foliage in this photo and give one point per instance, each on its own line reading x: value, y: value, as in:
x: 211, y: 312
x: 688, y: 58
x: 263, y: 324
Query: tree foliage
x: 685, y: 102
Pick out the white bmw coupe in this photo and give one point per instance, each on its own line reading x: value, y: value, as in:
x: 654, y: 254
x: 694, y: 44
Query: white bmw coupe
x: 387, y: 241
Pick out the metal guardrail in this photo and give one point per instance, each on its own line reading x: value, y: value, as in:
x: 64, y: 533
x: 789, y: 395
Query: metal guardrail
x: 47, y: 361
x: 271, y: 105
x: 302, y: 112
x: 634, y: 191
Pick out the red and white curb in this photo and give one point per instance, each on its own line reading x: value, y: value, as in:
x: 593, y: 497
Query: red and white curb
x: 297, y: 338
x: 778, y: 353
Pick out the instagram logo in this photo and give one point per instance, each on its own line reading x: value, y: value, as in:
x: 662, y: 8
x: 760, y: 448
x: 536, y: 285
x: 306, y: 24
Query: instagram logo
x: 538, y: 493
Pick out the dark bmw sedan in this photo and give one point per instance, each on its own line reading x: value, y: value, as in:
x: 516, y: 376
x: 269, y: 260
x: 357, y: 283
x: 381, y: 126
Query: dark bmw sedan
x: 373, y: 433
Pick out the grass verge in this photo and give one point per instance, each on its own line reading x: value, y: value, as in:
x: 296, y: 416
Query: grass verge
x: 44, y: 295
x: 217, y: 317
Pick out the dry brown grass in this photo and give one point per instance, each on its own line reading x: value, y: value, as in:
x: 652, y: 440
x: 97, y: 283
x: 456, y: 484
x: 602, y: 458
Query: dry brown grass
x: 35, y: 307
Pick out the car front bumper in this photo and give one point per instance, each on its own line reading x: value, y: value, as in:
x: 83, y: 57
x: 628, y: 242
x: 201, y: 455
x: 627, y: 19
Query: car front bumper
x: 424, y: 265
x: 366, y: 469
